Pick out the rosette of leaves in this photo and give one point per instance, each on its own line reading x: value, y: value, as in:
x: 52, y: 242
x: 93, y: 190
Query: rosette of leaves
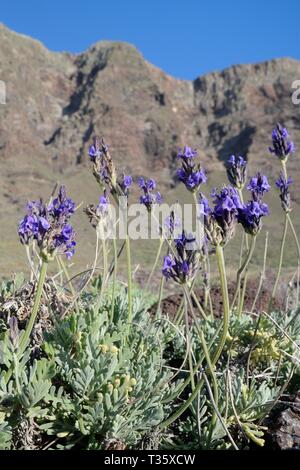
x: 110, y: 387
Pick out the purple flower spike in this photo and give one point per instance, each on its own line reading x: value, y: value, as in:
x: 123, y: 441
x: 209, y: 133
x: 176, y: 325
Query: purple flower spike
x: 258, y: 186
x: 220, y: 220
x: 237, y: 171
x: 49, y: 227
x: 94, y: 150
x: 190, y: 174
x: 186, y: 153
x: 148, y: 198
x: 284, y: 187
x: 282, y: 146
x: 124, y: 183
x: 251, y: 214
x: 171, y: 223
x: 182, y: 266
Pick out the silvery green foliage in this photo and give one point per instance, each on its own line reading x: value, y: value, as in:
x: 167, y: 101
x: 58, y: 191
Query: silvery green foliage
x: 244, y: 403
x: 98, y: 386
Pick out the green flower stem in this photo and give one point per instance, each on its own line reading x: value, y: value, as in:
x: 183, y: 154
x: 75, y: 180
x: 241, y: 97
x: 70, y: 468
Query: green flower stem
x: 243, y: 268
x: 161, y: 242
x: 207, y: 298
x: 114, y: 280
x: 210, y: 367
x: 160, y: 296
x: 69, y: 281
x: 198, y: 387
x: 284, y: 169
x: 294, y: 234
x: 26, y: 336
x: 64, y: 268
x: 104, y: 256
x: 218, y: 352
x: 226, y: 306
x: 283, y: 164
x: 188, y: 342
x: 200, y: 308
x: 280, y: 261
x: 129, y: 279
x: 262, y: 274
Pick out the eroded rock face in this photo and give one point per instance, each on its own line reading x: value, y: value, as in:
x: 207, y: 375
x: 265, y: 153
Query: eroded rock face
x: 56, y: 102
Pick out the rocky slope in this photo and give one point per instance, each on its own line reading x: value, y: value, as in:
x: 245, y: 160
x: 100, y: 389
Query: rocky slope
x: 56, y: 102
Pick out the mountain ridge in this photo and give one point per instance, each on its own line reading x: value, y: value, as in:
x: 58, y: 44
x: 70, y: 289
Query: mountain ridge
x: 56, y: 102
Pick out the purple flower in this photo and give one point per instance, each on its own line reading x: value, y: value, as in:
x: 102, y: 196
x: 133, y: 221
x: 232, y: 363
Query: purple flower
x: 47, y: 225
x: 171, y: 223
x: 148, y: 198
x: 204, y: 205
x: 251, y: 214
x: 65, y: 241
x: 283, y: 184
x: 102, y: 207
x: 186, y: 153
x: 147, y: 185
x: 169, y: 263
x: 226, y: 201
x: 282, y: 146
x: 237, y: 171
x: 127, y: 181
x: 94, y: 152
x: 258, y: 185
x: 182, y: 266
x: 124, y: 183
x: 221, y: 219
x: 62, y: 206
x: 190, y: 174
x: 191, y: 179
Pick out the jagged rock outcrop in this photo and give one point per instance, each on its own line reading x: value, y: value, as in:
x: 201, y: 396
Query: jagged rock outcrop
x: 56, y: 102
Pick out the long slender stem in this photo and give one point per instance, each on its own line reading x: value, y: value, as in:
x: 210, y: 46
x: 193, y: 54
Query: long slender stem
x: 283, y: 164
x: 104, y: 255
x: 114, y: 280
x: 199, y: 306
x: 262, y: 275
x: 226, y: 306
x: 161, y: 242
x: 129, y: 279
x: 198, y: 387
x: 284, y: 168
x: 243, y: 268
x: 26, y: 336
x: 280, y: 261
x: 160, y: 296
x: 66, y: 273
x: 294, y: 234
x: 188, y: 343
x: 243, y: 294
x: 206, y: 354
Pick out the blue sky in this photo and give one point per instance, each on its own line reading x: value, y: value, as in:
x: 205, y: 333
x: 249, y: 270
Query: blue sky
x: 185, y: 38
